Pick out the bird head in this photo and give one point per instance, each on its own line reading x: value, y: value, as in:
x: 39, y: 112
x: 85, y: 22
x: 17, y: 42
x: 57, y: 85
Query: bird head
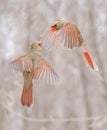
x: 56, y: 25
x: 37, y: 45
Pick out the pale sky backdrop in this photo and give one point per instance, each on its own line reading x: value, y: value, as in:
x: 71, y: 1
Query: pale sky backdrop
x: 79, y: 102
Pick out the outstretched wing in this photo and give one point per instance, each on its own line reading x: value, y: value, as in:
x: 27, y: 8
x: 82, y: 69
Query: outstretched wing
x: 44, y: 71
x: 68, y: 36
x: 50, y: 39
x: 22, y: 64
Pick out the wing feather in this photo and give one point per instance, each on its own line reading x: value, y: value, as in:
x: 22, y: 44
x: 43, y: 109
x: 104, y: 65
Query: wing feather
x: 68, y: 36
x: 44, y: 71
x: 21, y: 64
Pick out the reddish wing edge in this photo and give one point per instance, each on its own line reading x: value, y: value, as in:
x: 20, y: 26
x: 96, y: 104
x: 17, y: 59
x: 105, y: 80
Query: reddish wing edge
x: 44, y: 71
x: 68, y: 36
x: 21, y: 64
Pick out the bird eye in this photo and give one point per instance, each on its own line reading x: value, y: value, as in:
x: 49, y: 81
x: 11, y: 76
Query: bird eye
x: 40, y: 44
x: 55, y: 25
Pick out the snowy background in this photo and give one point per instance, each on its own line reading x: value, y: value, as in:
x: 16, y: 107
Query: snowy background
x: 80, y: 100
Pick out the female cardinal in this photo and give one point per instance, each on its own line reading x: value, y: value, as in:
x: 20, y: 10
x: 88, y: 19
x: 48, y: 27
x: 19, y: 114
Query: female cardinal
x: 67, y: 35
x: 33, y: 66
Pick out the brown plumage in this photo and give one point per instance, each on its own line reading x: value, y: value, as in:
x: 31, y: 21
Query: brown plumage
x: 33, y: 66
x: 67, y: 35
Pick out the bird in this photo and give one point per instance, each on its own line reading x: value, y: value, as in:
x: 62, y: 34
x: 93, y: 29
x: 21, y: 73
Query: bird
x: 65, y: 34
x: 33, y: 67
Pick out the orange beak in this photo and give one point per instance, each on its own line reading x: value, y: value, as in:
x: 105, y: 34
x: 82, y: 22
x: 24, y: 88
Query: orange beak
x: 41, y: 44
x: 53, y: 29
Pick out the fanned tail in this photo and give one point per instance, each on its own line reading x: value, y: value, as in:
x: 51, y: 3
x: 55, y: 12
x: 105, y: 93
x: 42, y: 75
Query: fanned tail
x: 89, y: 60
x: 27, y: 95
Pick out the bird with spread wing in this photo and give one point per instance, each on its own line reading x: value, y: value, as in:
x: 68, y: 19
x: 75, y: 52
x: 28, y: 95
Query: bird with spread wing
x: 34, y: 67
x: 67, y: 35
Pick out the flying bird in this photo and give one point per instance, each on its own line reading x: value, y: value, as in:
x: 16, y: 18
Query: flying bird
x: 67, y: 35
x: 33, y: 67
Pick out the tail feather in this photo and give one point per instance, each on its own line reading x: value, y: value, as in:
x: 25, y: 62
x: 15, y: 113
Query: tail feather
x: 27, y: 95
x: 89, y: 61
x: 30, y: 97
